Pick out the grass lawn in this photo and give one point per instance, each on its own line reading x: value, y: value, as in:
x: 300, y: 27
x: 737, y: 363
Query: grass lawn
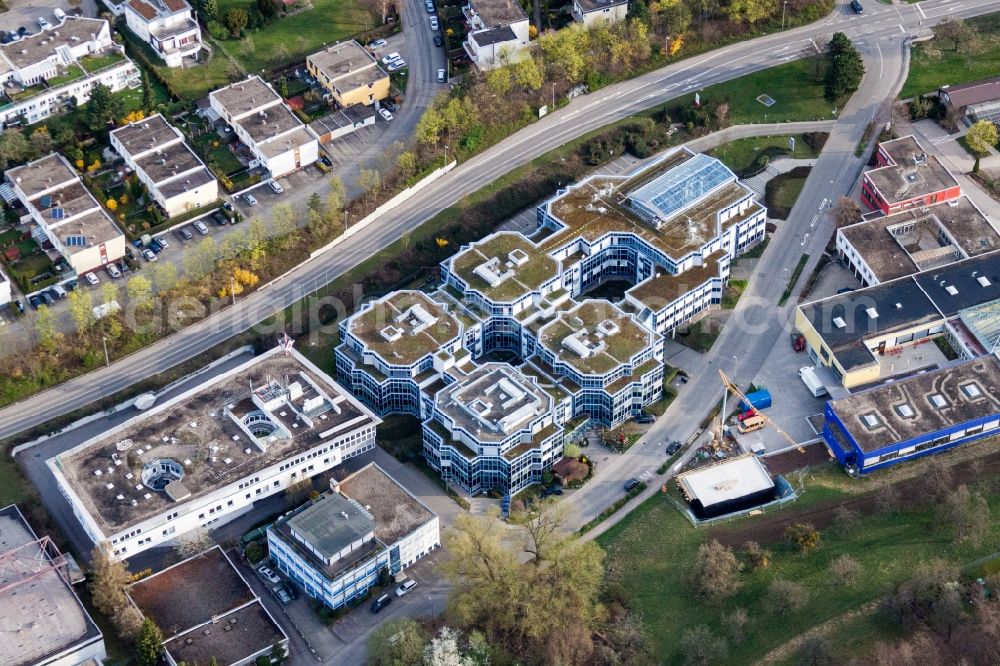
x: 294, y: 37
x: 702, y: 335
x: 650, y: 554
x: 931, y: 68
x: 793, y: 279
x: 782, y: 191
x: 731, y: 294
x: 740, y: 155
x: 192, y: 83
x: 796, y: 87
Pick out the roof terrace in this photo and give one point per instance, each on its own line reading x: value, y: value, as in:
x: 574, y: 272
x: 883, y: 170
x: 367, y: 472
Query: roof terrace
x: 404, y: 327
x: 493, y: 402
x: 504, y: 267
x: 664, y: 288
x: 595, y: 337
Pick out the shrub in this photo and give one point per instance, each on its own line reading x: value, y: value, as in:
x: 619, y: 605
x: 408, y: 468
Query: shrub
x: 845, y: 568
x: 217, y: 30
x: 804, y: 536
x: 784, y: 597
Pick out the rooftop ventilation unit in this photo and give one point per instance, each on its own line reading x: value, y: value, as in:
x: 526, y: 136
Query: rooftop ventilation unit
x: 983, y: 281
x: 872, y: 313
x: 839, y: 322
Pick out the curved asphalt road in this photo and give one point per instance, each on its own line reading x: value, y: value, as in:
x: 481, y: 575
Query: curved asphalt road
x: 880, y: 27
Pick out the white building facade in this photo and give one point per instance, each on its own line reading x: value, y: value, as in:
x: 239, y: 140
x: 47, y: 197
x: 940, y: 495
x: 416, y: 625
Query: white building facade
x: 498, y: 32
x: 593, y: 13
x: 168, y: 26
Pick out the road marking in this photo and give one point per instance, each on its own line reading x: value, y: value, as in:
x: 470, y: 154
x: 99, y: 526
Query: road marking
x: 881, y: 63
x: 901, y: 29
x: 920, y: 9
x: 814, y: 221
x: 825, y: 199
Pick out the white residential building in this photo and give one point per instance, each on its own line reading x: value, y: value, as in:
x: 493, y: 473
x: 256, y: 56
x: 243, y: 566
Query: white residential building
x: 278, y: 139
x: 66, y: 213
x: 53, y: 70
x: 205, y: 456
x: 335, y: 546
x: 174, y: 176
x: 592, y: 13
x: 5, y: 292
x: 168, y: 26
x: 498, y: 31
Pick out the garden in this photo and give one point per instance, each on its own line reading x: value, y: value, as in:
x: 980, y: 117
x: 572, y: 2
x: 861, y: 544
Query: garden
x: 25, y: 262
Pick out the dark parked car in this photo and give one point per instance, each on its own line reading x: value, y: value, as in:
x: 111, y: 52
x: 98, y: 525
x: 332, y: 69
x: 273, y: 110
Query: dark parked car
x: 630, y: 484
x: 19, y: 304
x: 283, y: 594
x: 137, y: 243
x: 644, y: 418
x: 326, y: 161
x: 438, y: 41
x: 389, y: 104
x: 185, y: 234
x: 156, y: 246
x: 554, y: 489
x: 47, y: 298
x: 71, y: 285
x: 22, y: 31
x: 673, y: 447
x: 35, y: 301
x: 381, y: 603
x: 856, y: 6
x: 219, y: 218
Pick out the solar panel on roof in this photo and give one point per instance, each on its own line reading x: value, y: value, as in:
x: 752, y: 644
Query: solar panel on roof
x: 682, y: 186
x: 57, y: 213
x: 46, y: 200
x: 76, y: 241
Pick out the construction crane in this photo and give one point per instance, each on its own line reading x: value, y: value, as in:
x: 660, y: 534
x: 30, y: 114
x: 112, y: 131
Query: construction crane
x: 735, y: 390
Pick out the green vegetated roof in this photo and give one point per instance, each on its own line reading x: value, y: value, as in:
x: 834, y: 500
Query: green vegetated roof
x: 584, y: 324
x: 527, y: 277
x: 414, y: 342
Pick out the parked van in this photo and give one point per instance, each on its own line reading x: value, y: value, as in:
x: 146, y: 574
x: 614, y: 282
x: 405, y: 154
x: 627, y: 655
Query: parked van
x: 751, y: 424
x: 812, y: 381
x: 381, y: 603
x: 59, y: 14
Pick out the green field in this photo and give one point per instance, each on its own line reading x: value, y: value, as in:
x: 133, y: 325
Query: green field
x: 294, y: 37
x: 931, y: 68
x: 741, y: 154
x: 651, y: 551
x: 796, y: 87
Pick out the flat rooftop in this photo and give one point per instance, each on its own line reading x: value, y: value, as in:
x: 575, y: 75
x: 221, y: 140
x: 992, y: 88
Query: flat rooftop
x: 504, y: 267
x: 658, y: 291
x: 494, y: 401
x: 37, y: 47
x: 396, y: 512
x: 963, y: 284
x: 727, y: 480
x: 404, y: 327
x: 245, y: 96
x: 330, y: 524
x: 922, y: 239
x: 146, y: 134
x: 344, y: 59
x: 914, y: 173
x: 233, y: 638
x: 297, y: 138
x: 40, y: 616
x: 355, y: 114
x: 151, y: 10
x: 499, y: 12
x: 845, y: 321
x: 94, y: 228
x: 922, y: 404
x: 269, y: 123
x: 66, y: 203
x: 187, y: 182
x: 202, y: 431
x: 168, y: 162
x: 595, y: 337
x: 42, y: 174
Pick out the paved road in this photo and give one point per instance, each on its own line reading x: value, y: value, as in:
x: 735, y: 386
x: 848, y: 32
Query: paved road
x: 878, y: 32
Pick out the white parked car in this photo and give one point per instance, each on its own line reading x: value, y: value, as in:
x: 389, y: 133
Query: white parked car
x: 392, y: 57
x: 377, y: 44
x: 93, y: 279
x: 398, y: 64
x: 405, y: 587
x: 202, y: 229
x: 386, y: 116
x: 250, y: 199
x: 268, y: 575
x: 434, y: 23
x: 430, y: 6
x: 276, y: 186
x: 442, y: 76
x: 113, y: 271
x: 149, y: 255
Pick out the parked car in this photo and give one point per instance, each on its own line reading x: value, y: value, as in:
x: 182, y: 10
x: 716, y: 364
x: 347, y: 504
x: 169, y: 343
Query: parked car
x: 438, y: 40
x: 377, y: 44
x: 155, y: 246
x: 856, y: 6
x: 554, y: 489
x: 202, y: 229
x: 219, y: 218
x: 59, y: 14
x: 162, y: 240
x: 43, y: 24
x: 19, y: 304
x: 673, y: 447
x: 434, y: 23
x: 149, y: 255
x: 268, y: 575
x: 250, y: 199
x: 380, y: 603
x: 442, y: 76
x: 396, y: 65
x: 745, y: 415
x: 392, y: 57
x: 430, y: 6
x: 389, y: 104
x: 645, y: 418
x: 71, y: 285
x: 386, y: 116
x: 35, y: 301
x: 275, y: 186
x: 113, y: 271
x: 282, y: 594
x: 185, y: 234
x: 58, y: 291
x: 325, y: 161
x: 137, y: 243
x: 322, y: 166
x: 631, y: 484
x: 47, y: 298
x: 92, y: 278
x: 405, y: 587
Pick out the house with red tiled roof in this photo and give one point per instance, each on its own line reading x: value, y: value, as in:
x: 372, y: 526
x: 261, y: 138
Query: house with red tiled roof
x: 168, y: 26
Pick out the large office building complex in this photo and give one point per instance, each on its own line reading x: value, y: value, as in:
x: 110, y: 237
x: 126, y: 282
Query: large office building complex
x: 207, y: 455
x: 670, y: 231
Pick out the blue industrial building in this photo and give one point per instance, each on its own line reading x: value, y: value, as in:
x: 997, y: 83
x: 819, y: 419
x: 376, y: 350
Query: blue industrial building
x: 927, y: 413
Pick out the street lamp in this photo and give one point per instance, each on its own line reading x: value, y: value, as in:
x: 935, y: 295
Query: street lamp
x: 783, y: 5
x: 107, y: 359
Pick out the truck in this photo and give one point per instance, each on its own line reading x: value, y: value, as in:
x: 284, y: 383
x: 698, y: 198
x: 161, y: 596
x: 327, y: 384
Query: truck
x: 760, y: 399
x: 811, y: 379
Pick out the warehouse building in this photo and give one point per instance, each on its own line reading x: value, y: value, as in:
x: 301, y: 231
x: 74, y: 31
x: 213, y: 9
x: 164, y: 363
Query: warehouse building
x: 906, y: 177
x: 334, y: 547
x: 920, y: 415
x: 206, y: 456
x: 207, y: 611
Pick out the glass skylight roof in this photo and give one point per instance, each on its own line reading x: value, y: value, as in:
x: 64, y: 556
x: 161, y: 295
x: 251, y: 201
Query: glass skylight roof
x: 682, y: 186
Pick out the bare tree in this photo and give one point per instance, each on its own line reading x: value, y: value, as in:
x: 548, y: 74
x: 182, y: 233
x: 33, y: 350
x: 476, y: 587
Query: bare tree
x: 736, y: 624
x: 845, y: 212
x: 716, y: 571
x: 108, y: 578
x: 543, y: 530
x: 784, y: 597
x: 127, y: 620
x: 193, y: 543
x: 701, y: 647
x: 845, y: 568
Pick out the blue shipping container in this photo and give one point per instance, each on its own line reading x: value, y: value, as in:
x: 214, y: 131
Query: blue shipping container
x: 758, y: 400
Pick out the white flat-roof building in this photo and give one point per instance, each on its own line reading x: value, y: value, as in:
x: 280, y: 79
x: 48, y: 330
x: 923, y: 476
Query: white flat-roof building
x: 334, y: 546
x: 278, y: 139
x: 54, y: 70
x: 175, y: 177
x: 727, y: 486
x: 498, y: 31
x: 66, y: 214
x: 5, y: 291
x: 205, y: 456
x: 168, y: 26
x: 43, y: 621
x: 592, y: 13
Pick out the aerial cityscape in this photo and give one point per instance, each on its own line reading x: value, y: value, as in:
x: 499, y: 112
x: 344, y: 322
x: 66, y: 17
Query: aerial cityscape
x: 500, y: 332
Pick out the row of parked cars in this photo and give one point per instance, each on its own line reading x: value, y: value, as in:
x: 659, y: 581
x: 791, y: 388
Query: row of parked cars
x: 285, y: 593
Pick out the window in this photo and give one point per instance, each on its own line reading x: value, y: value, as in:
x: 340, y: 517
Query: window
x: 905, y: 411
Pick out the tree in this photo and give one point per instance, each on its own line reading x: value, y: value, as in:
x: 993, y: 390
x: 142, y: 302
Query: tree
x: 758, y: 557
x: 750, y: 11
x: 128, y: 622
x: 845, y: 212
x: 209, y: 11
x: 108, y: 578
x: 527, y: 73
x: 716, y: 571
x: 14, y: 148
x: 565, y: 51
x: 268, y: 9
x: 443, y: 650
x: 845, y: 568
x: 103, y: 108
x: 165, y: 276
x: 278, y: 653
x: 845, y: 68
x: 981, y: 137
x: 370, y: 182
x: 803, y: 535
x: 815, y: 651
x: 398, y: 642
x: 236, y: 20
x: 736, y: 624
x: 41, y: 141
x: 140, y: 293
x: 193, y: 543
x: 149, y: 644
x: 81, y: 308
x: 931, y: 598
x: 701, y: 647
x: 969, y: 513
x: 45, y: 328
x: 543, y: 530
x: 148, y: 103
x: 784, y: 597
x: 499, y: 81
x: 406, y: 163
x: 336, y: 197
x: 963, y: 37
x: 430, y: 126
